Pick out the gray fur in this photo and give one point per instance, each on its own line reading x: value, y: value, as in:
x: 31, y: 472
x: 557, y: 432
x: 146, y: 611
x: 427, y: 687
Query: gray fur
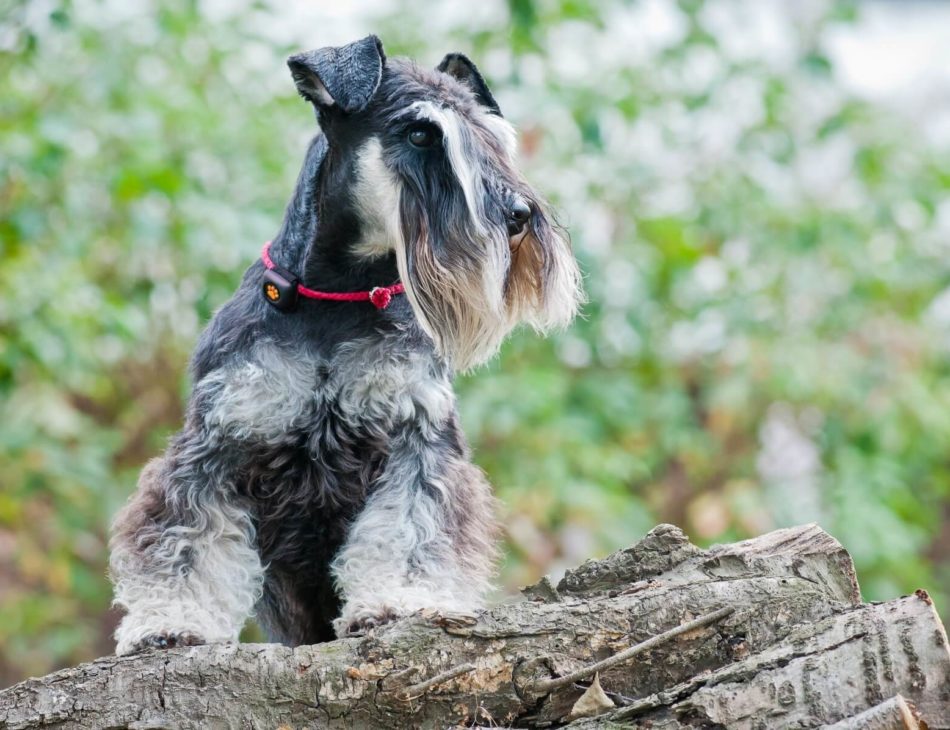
x: 321, y: 478
x: 346, y: 76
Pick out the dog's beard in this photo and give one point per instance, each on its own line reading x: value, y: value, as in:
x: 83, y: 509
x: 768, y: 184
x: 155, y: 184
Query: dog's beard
x: 469, y: 286
x: 544, y: 285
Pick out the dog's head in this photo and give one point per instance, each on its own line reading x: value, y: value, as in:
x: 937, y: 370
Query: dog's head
x: 427, y: 163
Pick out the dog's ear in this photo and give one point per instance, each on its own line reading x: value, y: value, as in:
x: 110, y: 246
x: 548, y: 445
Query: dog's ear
x: 462, y: 69
x: 345, y: 77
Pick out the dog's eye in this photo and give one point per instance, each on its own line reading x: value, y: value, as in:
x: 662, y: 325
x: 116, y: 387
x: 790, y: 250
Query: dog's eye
x: 423, y: 135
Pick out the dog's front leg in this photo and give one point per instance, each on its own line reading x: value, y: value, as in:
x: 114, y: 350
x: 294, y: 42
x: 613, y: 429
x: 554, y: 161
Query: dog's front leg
x: 425, y: 538
x: 183, y: 561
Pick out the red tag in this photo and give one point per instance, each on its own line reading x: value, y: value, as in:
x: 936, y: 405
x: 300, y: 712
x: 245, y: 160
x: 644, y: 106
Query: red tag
x: 380, y: 297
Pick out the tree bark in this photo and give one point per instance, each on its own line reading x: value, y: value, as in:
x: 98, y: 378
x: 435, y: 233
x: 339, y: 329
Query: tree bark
x: 780, y: 639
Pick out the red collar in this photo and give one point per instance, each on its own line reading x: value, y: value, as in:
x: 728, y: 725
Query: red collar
x: 281, y: 288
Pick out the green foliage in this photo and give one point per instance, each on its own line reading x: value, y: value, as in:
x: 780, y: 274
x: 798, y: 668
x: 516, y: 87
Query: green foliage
x: 765, y: 256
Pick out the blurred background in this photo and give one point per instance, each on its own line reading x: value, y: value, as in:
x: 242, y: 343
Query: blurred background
x: 758, y: 192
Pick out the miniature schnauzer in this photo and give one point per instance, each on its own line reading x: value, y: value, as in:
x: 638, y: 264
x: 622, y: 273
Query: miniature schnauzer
x: 321, y: 478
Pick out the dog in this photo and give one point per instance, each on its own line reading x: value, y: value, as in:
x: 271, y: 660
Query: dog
x: 321, y: 479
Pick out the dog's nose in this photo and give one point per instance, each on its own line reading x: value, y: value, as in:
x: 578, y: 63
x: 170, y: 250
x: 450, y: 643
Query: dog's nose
x: 518, y: 215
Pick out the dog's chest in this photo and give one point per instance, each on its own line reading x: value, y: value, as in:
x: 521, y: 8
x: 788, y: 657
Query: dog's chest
x: 279, y: 396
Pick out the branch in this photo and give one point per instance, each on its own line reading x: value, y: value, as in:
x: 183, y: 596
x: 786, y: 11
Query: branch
x: 545, y: 686
x: 781, y: 638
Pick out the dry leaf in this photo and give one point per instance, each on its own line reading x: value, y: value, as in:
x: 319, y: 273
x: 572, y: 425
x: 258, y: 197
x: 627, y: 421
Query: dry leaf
x: 592, y: 702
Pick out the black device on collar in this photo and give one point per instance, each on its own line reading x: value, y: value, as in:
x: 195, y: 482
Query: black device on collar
x: 280, y: 288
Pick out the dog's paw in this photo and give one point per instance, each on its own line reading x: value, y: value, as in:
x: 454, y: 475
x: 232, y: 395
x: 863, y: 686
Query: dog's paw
x: 167, y: 640
x: 365, y: 621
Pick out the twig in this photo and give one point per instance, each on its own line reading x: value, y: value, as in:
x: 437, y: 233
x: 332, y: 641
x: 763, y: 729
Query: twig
x: 543, y: 686
x: 417, y: 690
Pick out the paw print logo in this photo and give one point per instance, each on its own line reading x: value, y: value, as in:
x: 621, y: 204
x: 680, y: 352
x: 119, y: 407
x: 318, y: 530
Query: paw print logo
x: 271, y: 292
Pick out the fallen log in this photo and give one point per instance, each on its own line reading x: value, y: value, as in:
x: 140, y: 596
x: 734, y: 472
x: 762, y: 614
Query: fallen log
x: 769, y: 632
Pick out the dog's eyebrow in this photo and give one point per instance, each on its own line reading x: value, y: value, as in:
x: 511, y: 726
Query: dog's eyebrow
x: 458, y: 148
x: 421, y: 110
x: 446, y: 117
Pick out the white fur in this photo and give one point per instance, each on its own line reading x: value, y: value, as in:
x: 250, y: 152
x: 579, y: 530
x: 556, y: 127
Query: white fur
x: 402, y: 266
x: 369, y: 381
x: 399, y: 556
x: 377, y: 191
x: 211, y: 599
x: 373, y: 382
x: 265, y: 396
x: 504, y: 132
